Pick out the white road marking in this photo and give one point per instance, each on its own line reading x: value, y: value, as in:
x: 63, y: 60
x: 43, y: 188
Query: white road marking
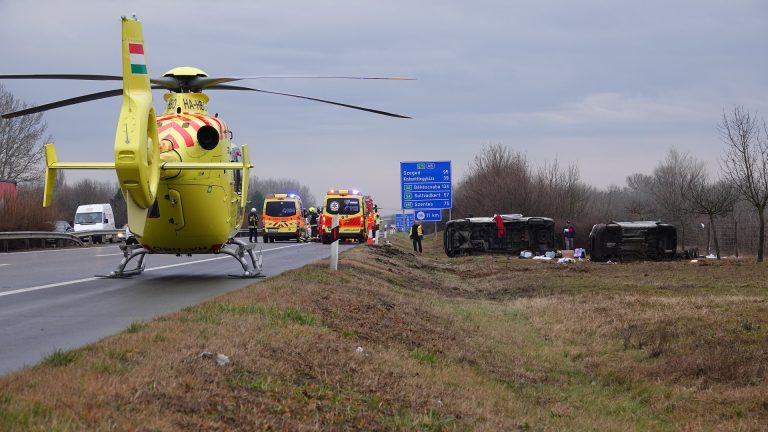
x: 110, y: 254
x: 72, y: 282
x: 4, y: 265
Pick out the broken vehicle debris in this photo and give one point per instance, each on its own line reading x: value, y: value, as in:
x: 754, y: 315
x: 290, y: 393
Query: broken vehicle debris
x: 626, y: 241
x: 484, y: 235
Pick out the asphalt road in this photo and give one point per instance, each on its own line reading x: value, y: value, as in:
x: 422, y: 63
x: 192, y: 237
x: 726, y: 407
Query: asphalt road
x: 50, y: 299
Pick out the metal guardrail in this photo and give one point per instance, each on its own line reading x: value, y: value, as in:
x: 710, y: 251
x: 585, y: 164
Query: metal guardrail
x: 28, y: 239
x: 43, y: 239
x: 86, y: 234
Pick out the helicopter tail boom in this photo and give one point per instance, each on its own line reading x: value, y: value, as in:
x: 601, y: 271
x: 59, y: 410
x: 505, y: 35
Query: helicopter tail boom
x: 137, y: 157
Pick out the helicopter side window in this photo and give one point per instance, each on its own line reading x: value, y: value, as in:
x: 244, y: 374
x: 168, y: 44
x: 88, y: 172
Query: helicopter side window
x: 238, y: 181
x: 235, y: 156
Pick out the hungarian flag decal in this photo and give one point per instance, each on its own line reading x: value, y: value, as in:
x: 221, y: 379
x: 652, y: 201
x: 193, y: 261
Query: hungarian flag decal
x: 138, y: 63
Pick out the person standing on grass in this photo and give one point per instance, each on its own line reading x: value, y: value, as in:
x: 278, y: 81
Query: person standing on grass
x: 253, y: 226
x: 416, y: 235
x: 568, y: 234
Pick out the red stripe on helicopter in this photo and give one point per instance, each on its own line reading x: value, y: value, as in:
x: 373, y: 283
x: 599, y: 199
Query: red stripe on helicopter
x: 178, y: 119
x: 202, y: 118
x: 188, y: 140
x: 222, y: 127
x: 173, y: 141
x: 191, y: 121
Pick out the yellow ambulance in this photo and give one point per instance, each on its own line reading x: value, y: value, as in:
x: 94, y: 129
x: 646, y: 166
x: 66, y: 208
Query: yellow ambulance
x: 352, y: 211
x: 283, y: 218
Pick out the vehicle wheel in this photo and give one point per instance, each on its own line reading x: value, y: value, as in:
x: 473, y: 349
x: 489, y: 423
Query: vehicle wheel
x: 266, y: 239
x: 271, y: 239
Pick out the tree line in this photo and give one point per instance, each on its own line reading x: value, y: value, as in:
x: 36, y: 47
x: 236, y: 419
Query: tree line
x: 680, y: 190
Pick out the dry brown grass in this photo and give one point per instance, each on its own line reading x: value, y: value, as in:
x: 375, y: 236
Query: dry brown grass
x: 24, y: 213
x: 478, y: 343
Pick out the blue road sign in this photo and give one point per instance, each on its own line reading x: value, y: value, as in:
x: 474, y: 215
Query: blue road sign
x: 428, y: 215
x: 426, y: 185
x: 403, y: 222
x: 399, y: 222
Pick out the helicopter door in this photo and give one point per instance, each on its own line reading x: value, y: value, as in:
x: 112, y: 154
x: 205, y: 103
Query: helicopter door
x: 177, y: 214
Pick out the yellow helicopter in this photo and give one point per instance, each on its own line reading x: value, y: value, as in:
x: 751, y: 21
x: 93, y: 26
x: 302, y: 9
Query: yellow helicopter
x: 184, y: 182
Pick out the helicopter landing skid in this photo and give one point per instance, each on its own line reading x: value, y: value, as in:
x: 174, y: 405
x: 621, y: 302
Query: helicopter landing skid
x: 251, y: 269
x: 129, y: 252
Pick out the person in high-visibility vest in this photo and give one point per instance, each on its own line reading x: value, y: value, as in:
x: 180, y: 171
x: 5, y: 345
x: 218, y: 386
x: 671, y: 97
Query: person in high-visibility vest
x: 376, y: 224
x: 253, y: 226
x: 313, y: 216
x: 416, y: 235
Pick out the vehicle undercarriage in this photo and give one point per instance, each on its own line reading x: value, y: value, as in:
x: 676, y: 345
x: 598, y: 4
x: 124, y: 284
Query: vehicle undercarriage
x: 480, y: 235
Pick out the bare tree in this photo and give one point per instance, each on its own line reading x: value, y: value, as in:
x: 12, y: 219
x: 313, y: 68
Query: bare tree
x: 710, y: 198
x: 745, y: 162
x: 21, y: 140
x: 641, y: 202
x: 498, y: 180
x: 667, y: 187
x: 86, y: 191
x: 261, y: 187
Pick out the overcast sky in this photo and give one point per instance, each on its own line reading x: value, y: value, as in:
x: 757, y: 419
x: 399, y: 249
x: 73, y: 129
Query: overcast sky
x: 609, y: 85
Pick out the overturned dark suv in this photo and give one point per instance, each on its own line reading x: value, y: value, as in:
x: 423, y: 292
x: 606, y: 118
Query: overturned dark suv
x: 480, y: 235
x: 626, y: 241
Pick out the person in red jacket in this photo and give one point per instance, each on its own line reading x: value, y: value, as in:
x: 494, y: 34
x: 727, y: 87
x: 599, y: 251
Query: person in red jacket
x: 568, y: 234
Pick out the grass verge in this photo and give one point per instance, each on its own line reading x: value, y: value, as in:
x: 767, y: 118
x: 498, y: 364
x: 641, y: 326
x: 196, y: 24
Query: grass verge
x: 401, y: 341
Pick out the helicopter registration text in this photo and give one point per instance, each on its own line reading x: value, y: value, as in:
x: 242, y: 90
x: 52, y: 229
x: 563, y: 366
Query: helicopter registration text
x: 186, y: 104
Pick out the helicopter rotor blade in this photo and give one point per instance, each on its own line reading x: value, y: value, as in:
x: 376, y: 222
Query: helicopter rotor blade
x: 67, y: 102
x: 84, y: 77
x: 206, y: 82
x: 164, y: 82
x: 375, y: 111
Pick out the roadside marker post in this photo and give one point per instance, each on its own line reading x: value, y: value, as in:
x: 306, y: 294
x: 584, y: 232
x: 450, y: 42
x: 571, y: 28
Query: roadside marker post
x: 335, y: 243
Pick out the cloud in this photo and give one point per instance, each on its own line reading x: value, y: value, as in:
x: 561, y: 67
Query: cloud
x: 603, y: 109
x: 598, y: 82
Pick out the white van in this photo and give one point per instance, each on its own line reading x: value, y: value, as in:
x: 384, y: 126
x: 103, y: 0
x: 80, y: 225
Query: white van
x: 94, y: 217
